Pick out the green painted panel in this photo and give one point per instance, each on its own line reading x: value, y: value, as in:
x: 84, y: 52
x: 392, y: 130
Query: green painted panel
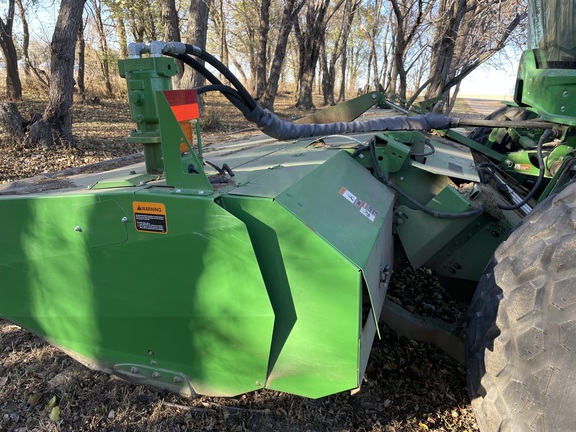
x: 318, y: 243
x: 316, y: 295
x: 186, y: 305
x: 344, y: 204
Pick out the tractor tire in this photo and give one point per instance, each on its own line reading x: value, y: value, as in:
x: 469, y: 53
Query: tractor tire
x: 504, y: 143
x: 521, y: 338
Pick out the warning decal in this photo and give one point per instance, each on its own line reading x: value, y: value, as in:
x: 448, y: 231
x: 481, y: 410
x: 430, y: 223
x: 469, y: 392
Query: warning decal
x: 365, y: 209
x: 150, y: 217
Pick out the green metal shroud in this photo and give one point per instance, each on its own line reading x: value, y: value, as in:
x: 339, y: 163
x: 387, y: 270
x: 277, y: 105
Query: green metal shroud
x: 274, y: 281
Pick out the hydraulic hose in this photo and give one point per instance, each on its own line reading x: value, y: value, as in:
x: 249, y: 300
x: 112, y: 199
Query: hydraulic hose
x: 277, y: 128
x: 234, y: 98
x: 220, y: 67
x: 273, y: 126
x: 425, y: 209
x: 547, y: 133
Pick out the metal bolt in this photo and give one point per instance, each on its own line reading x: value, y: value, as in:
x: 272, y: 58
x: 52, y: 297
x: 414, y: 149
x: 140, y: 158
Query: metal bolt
x: 150, y: 352
x: 562, y: 108
x: 258, y: 383
x: 565, y: 93
x: 134, y: 370
x: 77, y: 229
x: 177, y: 379
x: 124, y: 219
x: 155, y: 375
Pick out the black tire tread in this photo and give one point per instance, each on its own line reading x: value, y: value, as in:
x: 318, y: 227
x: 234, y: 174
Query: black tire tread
x: 521, y: 340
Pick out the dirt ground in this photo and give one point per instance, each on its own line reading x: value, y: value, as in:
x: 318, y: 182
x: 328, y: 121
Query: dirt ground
x: 408, y: 386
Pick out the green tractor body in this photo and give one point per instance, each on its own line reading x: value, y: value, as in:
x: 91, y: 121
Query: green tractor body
x: 265, y: 263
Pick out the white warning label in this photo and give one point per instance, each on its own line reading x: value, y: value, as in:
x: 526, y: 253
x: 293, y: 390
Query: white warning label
x: 365, y: 209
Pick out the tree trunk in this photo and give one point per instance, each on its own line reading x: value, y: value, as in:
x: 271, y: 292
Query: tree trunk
x: 443, y: 47
x: 309, y: 41
x: 196, y: 34
x: 327, y: 82
x: 13, y: 84
x: 103, y: 55
x: 81, y: 62
x: 25, y: 38
x: 339, y: 50
x: 12, y: 121
x: 172, y: 32
x: 262, y: 55
x: 121, y: 31
x: 56, y: 123
x: 350, y: 11
x: 291, y: 11
x: 343, y: 64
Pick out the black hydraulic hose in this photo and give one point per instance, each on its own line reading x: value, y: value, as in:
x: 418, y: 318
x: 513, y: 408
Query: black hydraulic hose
x: 225, y: 168
x: 547, y: 133
x: 197, y: 66
x: 273, y: 126
x: 486, y: 166
x: 220, y: 67
x: 428, y: 153
x: 229, y: 93
x: 235, y: 99
x: 425, y: 209
x: 277, y: 128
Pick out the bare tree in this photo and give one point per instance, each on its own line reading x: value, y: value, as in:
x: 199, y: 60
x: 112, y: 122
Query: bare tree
x: 117, y: 13
x: 196, y: 34
x: 96, y: 11
x: 409, y: 16
x: 25, y: 37
x: 289, y: 14
x: 468, y: 32
x: 55, y: 126
x: 171, y: 24
x: 81, y: 62
x: 262, y: 53
x: 310, y: 32
x: 13, y: 84
x: 338, y: 50
x: 220, y: 18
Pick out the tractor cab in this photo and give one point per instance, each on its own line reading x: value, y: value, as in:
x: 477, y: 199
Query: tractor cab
x: 546, y: 81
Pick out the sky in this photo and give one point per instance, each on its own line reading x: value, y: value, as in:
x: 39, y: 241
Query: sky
x: 489, y: 82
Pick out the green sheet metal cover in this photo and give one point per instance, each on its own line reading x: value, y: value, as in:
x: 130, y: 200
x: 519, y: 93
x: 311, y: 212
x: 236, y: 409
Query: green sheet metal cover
x: 348, y: 211
x: 177, y: 302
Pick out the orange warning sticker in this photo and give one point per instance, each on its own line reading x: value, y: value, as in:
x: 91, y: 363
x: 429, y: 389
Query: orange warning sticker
x: 522, y: 167
x: 150, y: 217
